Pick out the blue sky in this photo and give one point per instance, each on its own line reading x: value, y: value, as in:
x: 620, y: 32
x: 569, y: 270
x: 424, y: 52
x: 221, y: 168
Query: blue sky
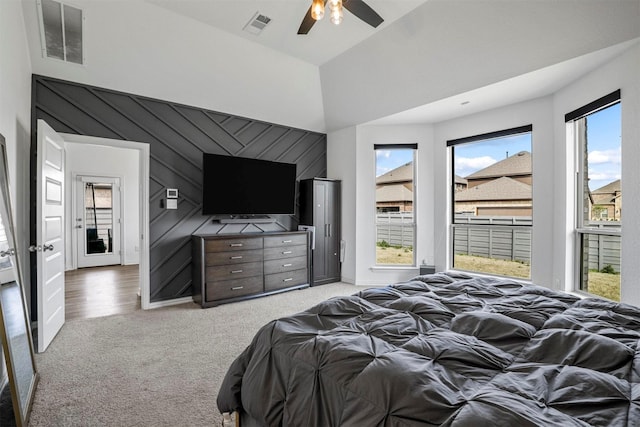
x: 387, y: 160
x: 604, y: 136
x: 603, y: 132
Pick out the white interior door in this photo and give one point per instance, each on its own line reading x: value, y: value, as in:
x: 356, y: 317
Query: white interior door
x: 50, y: 234
x: 97, y: 221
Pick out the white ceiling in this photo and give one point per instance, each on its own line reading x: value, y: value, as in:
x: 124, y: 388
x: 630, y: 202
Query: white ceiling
x: 527, y: 86
x: 324, y: 41
x: 426, y: 43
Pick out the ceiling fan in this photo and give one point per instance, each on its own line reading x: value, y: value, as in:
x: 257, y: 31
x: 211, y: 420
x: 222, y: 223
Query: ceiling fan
x: 357, y: 7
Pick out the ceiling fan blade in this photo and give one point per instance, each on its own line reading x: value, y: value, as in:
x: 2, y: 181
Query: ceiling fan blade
x: 307, y: 23
x: 363, y: 11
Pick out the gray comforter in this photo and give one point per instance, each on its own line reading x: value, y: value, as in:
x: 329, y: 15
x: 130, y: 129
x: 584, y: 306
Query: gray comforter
x: 446, y: 350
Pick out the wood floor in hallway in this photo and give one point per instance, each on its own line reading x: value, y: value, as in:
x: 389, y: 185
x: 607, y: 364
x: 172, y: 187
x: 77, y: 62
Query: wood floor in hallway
x: 102, y: 291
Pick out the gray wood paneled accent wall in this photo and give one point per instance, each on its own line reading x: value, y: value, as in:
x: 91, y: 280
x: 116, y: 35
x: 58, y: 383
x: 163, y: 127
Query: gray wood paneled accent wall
x: 178, y: 135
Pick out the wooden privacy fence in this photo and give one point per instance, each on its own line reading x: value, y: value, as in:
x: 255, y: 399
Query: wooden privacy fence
x: 485, y: 236
x: 603, y: 250
x: 395, y: 228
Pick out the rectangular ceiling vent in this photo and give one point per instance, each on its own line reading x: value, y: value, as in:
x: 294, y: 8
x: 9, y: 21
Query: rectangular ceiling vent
x: 61, y: 31
x: 257, y: 23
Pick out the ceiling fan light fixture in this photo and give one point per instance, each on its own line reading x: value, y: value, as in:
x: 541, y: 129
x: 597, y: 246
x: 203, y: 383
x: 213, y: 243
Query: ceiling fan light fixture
x: 335, y: 8
x: 317, y: 9
x: 336, y: 16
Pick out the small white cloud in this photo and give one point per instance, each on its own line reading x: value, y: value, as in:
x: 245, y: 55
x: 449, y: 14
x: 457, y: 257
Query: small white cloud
x: 383, y: 153
x: 597, y: 157
x: 468, y: 165
x: 381, y: 170
x: 603, y: 176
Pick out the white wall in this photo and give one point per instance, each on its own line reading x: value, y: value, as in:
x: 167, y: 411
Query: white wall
x: 341, y: 164
x: 356, y: 167
x: 553, y: 197
x: 15, y: 115
x: 538, y: 113
x: 141, y: 48
x: 89, y: 159
x: 621, y: 73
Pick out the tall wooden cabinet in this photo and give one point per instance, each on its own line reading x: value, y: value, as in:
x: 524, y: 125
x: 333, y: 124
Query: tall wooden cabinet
x: 320, y: 207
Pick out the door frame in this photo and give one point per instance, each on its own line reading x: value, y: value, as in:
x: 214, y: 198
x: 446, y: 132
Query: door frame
x: 75, y: 208
x: 143, y: 158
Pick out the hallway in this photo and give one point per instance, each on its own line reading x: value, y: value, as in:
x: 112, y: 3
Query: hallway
x: 102, y: 291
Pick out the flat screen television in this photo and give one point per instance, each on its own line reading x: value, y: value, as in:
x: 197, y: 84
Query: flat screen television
x: 241, y: 186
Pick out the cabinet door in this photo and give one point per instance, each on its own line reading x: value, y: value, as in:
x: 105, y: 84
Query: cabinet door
x: 319, y: 220
x: 333, y: 230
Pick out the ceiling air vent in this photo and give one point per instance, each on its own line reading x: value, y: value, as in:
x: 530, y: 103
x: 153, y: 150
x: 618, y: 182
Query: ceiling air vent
x: 257, y: 23
x: 61, y: 29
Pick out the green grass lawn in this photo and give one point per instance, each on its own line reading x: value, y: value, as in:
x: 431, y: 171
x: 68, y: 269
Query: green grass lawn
x: 601, y: 284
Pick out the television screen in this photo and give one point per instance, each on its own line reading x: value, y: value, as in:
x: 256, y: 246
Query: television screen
x: 241, y: 186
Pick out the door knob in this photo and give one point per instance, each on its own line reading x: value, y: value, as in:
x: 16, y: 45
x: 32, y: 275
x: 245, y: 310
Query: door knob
x: 8, y: 252
x: 47, y: 247
x: 34, y: 248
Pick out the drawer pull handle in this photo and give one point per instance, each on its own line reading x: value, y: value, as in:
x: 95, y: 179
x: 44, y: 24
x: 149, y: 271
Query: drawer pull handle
x: 236, y: 271
x: 288, y: 279
x: 235, y: 245
x: 287, y: 252
x: 287, y: 241
x: 287, y: 265
x: 236, y: 257
x: 237, y: 288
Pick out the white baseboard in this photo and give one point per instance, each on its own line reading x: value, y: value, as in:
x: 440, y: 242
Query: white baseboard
x: 170, y: 302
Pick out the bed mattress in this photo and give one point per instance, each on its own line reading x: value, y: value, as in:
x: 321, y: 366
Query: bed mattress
x: 445, y: 349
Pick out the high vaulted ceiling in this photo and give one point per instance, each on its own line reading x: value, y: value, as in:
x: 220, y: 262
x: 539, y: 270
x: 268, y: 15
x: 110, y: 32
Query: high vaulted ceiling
x: 323, y: 42
x: 429, y: 61
x: 433, y: 60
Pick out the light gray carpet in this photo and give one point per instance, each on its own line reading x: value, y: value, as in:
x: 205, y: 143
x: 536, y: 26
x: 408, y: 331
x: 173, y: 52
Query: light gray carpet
x: 160, y: 367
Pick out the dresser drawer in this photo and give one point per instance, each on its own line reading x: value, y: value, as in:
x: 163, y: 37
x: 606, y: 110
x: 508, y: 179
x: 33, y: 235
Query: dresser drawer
x: 240, y: 244
x: 234, y: 271
x: 285, y: 252
x: 285, y: 240
x: 287, y: 279
x: 233, y: 257
x: 285, y: 264
x: 233, y: 288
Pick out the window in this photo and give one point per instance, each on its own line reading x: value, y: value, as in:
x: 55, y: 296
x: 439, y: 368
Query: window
x: 395, y: 204
x: 493, y: 202
x: 596, y: 129
x: 61, y: 31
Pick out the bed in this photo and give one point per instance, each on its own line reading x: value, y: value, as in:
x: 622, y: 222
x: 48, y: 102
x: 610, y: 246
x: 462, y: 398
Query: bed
x: 446, y: 349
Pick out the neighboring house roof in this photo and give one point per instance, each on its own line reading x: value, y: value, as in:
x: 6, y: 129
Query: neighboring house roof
x: 606, y: 194
x: 394, y: 193
x: 403, y: 173
x: 518, y: 164
x: 504, y: 188
x: 610, y: 188
x: 460, y: 180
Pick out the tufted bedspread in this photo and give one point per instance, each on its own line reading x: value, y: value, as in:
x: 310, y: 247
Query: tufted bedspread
x: 444, y: 349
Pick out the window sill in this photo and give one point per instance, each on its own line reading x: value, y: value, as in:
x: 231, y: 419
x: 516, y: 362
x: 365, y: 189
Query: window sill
x: 393, y: 267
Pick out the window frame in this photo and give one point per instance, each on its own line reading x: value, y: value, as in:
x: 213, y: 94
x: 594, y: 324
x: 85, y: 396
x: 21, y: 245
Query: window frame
x: 453, y: 223
x: 582, y: 228
x: 413, y: 224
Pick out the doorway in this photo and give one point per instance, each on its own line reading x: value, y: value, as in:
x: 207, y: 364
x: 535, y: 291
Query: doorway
x: 98, y: 216
x: 113, y: 265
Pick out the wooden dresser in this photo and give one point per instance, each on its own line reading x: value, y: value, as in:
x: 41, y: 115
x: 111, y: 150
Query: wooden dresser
x: 234, y: 267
